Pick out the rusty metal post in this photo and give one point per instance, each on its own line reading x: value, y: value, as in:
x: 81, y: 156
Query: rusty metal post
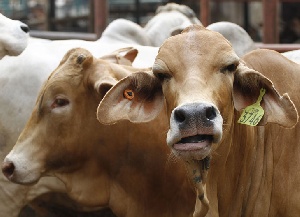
x: 204, y: 12
x: 101, y: 8
x: 270, y: 24
x: 50, y: 15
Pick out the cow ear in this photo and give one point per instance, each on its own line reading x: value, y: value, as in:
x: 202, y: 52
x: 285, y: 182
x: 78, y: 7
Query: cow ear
x: 137, y: 98
x: 104, y: 85
x: 123, y: 56
x: 246, y: 90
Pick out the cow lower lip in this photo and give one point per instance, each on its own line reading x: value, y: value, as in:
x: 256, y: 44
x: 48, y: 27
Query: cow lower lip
x: 193, y: 143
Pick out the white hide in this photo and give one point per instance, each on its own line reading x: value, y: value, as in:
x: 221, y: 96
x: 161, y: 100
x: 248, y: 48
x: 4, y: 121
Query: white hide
x: 240, y: 40
x: 13, y: 38
x: 168, y: 19
x: 127, y: 32
x: 293, y: 55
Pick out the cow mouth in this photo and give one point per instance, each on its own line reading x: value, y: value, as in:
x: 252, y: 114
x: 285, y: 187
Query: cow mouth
x: 194, y: 143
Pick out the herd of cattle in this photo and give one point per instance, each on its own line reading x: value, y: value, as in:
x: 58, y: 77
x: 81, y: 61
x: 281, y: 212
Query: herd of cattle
x: 150, y: 121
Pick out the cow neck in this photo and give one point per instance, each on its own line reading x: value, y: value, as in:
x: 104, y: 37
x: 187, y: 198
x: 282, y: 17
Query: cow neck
x: 144, y: 178
x: 232, y: 168
x: 87, y: 181
x: 198, y: 170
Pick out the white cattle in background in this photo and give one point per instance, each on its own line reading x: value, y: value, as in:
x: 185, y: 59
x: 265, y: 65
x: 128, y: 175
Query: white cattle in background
x: 169, y: 20
x: 13, y: 36
x: 240, y: 40
x: 293, y: 55
x: 128, y: 32
x: 21, y: 77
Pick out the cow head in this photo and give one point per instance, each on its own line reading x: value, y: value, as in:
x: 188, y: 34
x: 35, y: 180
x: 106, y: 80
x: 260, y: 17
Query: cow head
x: 202, y: 82
x: 14, y: 36
x: 59, y: 135
x: 170, y: 19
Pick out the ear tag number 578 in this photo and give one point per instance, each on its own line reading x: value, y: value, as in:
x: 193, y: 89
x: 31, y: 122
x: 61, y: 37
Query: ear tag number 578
x: 252, y: 114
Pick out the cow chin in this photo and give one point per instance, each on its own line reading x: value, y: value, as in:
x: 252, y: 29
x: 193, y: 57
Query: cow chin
x: 25, y: 178
x: 193, y: 153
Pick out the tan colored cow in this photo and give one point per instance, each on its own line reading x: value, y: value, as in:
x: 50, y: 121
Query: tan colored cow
x: 126, y: 167
x: 254, y: 170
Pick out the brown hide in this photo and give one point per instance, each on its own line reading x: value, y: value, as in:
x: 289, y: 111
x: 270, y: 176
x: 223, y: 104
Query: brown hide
x: 126, y: 166
x: 254, y: 171
x: 274, y: 186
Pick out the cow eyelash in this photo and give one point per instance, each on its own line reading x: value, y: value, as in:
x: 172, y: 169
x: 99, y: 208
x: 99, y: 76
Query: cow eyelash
x: 59, y: 102
x: 230, y: 68
x: 162, y: 76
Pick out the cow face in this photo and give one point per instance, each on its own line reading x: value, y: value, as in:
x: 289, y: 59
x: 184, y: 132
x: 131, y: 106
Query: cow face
x: 202, y: 81
x: 196, y: 91
x: 59, y: 135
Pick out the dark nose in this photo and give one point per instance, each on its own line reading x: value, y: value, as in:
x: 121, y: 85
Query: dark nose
x: 8, y: 169
x: 25, y: 28
x: 195, y: 113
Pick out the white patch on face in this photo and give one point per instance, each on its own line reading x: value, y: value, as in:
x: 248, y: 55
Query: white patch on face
x: 27, y: 170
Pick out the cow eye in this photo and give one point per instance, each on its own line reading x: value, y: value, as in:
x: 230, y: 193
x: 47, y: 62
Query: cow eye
x: 230, y: 68
x: 59, y: 102
x: 162, y: 76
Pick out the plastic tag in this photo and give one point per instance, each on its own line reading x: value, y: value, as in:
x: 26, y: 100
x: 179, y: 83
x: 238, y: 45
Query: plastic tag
x: 252, y: 114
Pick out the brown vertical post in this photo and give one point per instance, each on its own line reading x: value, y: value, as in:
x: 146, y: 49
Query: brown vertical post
x: 51, y: 15
x: 270, y: 25
x: 204, y: 12
x: 100, y: 16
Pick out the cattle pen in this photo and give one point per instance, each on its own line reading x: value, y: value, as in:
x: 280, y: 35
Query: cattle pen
x: 119, y: 34
x: 99, y: 13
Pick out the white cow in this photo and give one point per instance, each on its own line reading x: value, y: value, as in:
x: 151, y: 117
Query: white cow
x: 13, y: 38
x: 240, y: 40
x: 128, y: 32
x: 293, y: 55
x: 169, y: 20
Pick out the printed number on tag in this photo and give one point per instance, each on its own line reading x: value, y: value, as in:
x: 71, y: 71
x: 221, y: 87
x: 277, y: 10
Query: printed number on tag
x: 253, y: 114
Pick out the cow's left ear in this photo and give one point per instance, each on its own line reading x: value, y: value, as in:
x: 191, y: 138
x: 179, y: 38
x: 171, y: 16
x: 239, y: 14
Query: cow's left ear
x: 246, y: 90
x: 122, y: 56
x: 137, y: 98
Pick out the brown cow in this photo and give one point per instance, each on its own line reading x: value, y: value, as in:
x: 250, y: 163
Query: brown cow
x: 254, y: 171
x: 123, y: 166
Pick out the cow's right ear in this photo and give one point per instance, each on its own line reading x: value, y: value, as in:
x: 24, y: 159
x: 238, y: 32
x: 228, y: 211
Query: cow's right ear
x: 137, y: 98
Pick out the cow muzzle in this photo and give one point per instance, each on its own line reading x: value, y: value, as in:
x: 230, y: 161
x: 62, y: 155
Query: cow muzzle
x: 19, y: 171
x: 194, y: 128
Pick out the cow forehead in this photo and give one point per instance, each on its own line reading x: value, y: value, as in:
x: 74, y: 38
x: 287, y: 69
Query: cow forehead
x: 68, y: 73
x: 195, y: 45
x: 74, y: 63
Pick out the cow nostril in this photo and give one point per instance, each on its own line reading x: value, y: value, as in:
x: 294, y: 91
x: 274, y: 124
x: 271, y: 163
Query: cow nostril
x: 25, y: 28
x: 211, y: 113
x: 8, y: 169
x: 179, y: 115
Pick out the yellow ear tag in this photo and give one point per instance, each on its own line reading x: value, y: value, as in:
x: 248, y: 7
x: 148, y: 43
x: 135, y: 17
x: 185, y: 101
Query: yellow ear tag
x: 252, y: 114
